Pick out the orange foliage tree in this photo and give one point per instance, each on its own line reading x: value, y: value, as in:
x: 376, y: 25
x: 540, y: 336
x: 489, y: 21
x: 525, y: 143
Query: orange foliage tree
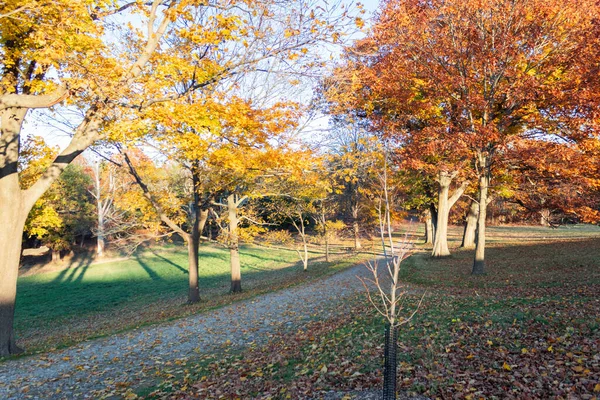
x: 471, y: 77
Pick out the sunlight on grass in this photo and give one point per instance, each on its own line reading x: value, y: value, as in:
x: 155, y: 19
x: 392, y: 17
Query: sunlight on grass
x: 88, y: 300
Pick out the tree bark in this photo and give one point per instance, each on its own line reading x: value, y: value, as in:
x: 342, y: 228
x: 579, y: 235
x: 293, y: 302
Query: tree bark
x: 55, y: 255
x: 545, y: 217
x: 234, y: 248
x: 468, y: 241
x: 434, y: 218
x: 356, y: 227
x: 484, y: 181
x: 440, y: 244
x: 193, y: 245
x: 193, y: 287
x: 101, y: 241
x: 326, y: 247
x: 12, y: 220
x: 429, y: 233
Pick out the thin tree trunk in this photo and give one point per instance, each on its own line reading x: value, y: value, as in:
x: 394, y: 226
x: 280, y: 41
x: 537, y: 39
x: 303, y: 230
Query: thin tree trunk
x: 305, y: 259
x: 428, y: 227
x: 484, y: 181
x: 468, y: 241
x: 193, y: 244
x: 434, y: 218
x: 100, y: 210
x: 326, y: 247
x: 356, y: 228
x: 234, y: 249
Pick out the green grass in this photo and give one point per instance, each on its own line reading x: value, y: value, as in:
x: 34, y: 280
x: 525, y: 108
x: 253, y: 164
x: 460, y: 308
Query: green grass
x: 89, y: 300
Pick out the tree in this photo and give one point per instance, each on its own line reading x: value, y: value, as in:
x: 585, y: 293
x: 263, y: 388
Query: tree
x: 66, y: 53
x: 369, y: 85
x: 298, y: 197
x: 55, y: 54
x: 389, y: 291
x: 555, y: 178
x: 480, y: 76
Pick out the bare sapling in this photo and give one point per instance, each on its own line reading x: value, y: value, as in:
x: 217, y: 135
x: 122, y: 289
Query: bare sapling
x: 384, y: 290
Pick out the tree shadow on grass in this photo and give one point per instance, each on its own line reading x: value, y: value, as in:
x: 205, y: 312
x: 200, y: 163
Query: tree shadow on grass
x: 166, y: 260
x: 528, y: 264
x: 151, y: 273
x: 74, y: 272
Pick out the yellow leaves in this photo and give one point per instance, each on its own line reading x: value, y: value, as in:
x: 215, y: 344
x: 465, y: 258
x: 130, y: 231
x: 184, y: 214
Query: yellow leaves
x: 550, y: 349
x: 359, y: 22
x: 597, y: 388
x: 506, y: 367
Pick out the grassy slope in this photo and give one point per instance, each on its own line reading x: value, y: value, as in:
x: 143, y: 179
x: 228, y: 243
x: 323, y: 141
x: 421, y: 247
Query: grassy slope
x: 83, y: 301
x: 529, y: 329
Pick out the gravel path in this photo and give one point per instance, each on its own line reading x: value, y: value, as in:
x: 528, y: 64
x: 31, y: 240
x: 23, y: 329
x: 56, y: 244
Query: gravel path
x: 92, y: 368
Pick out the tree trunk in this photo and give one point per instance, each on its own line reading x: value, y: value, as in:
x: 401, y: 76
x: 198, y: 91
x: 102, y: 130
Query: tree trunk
x: 193, y: 287
x: 193, y: 244
x: 545, y: 217
x: 234, y: 249
x: 305, y: 259
x: 12, y: 221
x: 356, y: 228
x: 484, y: 181
x: 326, y: 247
x: 390, y: 363
x: 428, y: 227
x: 468, y: 241
x: 440, y: 244
x: 55, y: 255
x: 434, y: 218
x: 101, y: 242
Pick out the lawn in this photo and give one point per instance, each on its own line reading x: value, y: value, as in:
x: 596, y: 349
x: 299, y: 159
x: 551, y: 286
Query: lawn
x: 530, y: 328
x: 86, y: 300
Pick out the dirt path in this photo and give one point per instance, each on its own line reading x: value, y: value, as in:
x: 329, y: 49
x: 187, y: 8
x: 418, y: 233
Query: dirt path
x: 96, y: 368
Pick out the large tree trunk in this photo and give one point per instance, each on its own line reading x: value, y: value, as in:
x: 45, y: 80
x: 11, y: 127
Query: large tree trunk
x: 15, y: 205
x: 484, y: 181
x: 12, y: 221
x: 440, y: 244
x: 13, y: 212
x: 468, y: 241
x: 234, y: 248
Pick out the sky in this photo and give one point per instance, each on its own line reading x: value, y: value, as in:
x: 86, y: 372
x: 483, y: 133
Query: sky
x: 50, y: 125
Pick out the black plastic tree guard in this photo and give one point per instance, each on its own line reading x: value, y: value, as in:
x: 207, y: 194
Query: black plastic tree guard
x: 390, y: 363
